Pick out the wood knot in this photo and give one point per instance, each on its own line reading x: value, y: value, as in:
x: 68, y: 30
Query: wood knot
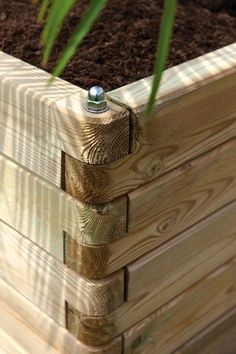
x: 167, y: 224
x: 154, y: 170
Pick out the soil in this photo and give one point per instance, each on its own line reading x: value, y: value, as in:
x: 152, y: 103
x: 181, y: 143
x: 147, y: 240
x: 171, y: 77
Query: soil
x: 121, y: 46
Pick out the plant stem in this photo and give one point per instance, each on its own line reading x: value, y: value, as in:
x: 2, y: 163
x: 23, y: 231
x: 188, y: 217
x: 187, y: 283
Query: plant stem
x: 163, y: 46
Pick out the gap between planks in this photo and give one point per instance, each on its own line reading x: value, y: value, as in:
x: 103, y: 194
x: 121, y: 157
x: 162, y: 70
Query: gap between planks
x: 26, y: 328
x: 41, y: 211
x: 219, y: 337
x: 194, y: 112
x: 186, y: 315
x: 54, y: 118
x: 48, y: 283
x: 166, y: 207
x: 177, y: 132
x: 193, y: 254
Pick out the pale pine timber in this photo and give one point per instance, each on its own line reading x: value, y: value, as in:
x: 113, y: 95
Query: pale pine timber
x: 167, y: 206
x: 42, y: 211
x: 41, y: 158
x: 26, y: 328
x: 179, y: 130
x: 202, y: 119
x: 21, y: 137
x: 189, y: 193
x: 163, y: 274
x: 179, y: 80
x: 185, y: 259
x: 16, y: 337
x: 194, y: 112
x: 184, y: 316
x: 218, y: 338
x: 55, y: 115
x: 48, y: 283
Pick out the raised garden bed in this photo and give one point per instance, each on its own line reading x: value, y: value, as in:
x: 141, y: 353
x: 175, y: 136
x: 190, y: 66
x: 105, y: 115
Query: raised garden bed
x: 141, y: 210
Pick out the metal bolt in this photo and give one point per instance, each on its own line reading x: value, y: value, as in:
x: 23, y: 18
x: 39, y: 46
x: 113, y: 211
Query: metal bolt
x: 96, y: 101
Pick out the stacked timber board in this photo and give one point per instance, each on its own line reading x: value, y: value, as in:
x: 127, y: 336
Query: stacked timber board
x: 118, y: 226
x: 27, y: 329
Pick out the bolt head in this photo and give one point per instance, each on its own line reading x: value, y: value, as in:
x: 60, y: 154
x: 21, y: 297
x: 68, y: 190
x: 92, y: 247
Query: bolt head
x: 96, y: 101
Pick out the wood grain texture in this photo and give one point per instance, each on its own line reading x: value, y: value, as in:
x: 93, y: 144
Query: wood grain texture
x: 91, y: 138
x: 218, y: 338
x: 179, y: 130
x: 55, y: 115
x: 163, y: 274
x: 120, y: 254
x: 41, y: 159
x: 180, y: 79
x: 16, y: 337
x: 166, y: 207
x: 89, y: 261
x: 27, y: 329
x: 54, y: 119
x: 194, y: 113
x: 24, y: 97
x: 41, y: 211
x: 185, y: 259
x: 184, y: 316
x: 48, y: 283
x: 193, y: 188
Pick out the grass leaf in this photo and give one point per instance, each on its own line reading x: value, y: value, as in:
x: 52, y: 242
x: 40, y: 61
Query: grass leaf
x: 59, y: 9
x: 93, y: 11
x: 57, y: 14
x: 165, y: 35
x: 43, y: 9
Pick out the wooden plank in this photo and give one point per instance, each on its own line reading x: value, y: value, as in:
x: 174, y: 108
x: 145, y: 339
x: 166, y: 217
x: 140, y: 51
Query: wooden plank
x: 195, y: 111
x: 18, y: 338
x: 41, y: 211
x: 30, y: 78
x: 217, y: 338
x: 48, y: 283
x: 189, y: 193
x: 174, y: 202
x: 56, y: 115
x: 34, y: 207
x: 27, y: 146
x: 8, y: 63
x: 185, y: 259
x: 40, y: 159
x: 163, y: 274
x: 183, y: 317
x: 179, y: 79
x: 32, y: 327
x: 166, y: 207
x: 204, y: 118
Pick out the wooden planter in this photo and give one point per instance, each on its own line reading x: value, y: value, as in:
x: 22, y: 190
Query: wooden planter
x: 88, y: 203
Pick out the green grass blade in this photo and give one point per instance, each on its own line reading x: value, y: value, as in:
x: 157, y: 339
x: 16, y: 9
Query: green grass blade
x: 166, y: 30
x: 94, y: 9
x: 43, y: 9
x: 57, y: 14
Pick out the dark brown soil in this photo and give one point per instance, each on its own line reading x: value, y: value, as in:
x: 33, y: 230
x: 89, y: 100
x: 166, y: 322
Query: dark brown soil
x: 121, y: 47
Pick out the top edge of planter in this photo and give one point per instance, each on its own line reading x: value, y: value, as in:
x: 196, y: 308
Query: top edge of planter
x: 58, y: 116
x: 178, y: 80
